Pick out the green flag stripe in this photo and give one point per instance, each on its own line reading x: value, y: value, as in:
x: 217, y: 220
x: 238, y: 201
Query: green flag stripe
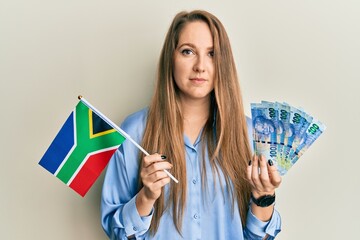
x: 85, y: 145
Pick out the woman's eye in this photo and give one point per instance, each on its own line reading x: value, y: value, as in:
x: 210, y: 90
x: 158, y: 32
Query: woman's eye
x: 186, y: 52
x: 211, y: 53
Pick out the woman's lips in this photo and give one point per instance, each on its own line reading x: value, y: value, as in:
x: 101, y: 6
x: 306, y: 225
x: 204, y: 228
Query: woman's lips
x: 198, y: 80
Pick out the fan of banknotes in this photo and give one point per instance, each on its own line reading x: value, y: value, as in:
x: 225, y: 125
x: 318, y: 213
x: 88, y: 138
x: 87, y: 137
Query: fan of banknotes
x: 283, y: 133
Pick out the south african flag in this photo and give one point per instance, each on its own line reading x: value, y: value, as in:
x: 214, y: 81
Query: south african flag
x: 81, y: 149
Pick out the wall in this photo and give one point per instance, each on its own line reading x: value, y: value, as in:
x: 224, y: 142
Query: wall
x: 303, y: 52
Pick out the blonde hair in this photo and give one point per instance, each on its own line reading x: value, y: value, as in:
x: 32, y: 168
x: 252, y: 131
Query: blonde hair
x: 228, y: 149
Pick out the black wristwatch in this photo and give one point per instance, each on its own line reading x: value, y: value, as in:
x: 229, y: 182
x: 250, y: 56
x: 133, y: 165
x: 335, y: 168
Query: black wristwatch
x: 263, y: 201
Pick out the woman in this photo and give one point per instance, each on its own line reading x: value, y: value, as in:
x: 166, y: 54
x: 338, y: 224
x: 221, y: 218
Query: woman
x: 197, y: 130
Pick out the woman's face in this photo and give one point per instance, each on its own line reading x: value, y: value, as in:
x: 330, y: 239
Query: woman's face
x: 193, y: 61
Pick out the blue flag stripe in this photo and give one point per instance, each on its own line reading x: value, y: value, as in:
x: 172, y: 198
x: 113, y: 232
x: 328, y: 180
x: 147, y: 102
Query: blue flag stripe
x: 60, y: 146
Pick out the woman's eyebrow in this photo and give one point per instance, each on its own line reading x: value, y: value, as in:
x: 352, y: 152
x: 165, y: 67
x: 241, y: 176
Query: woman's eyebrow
x: 187, y: 44
x: 193, y: 46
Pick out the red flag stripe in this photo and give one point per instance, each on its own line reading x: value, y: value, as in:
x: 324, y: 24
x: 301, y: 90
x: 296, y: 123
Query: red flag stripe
x: 90, y: 172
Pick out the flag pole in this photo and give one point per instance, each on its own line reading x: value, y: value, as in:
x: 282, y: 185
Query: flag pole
x: 113, y: 125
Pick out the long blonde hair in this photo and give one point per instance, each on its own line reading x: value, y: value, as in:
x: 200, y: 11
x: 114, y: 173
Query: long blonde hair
x: 228, y: 149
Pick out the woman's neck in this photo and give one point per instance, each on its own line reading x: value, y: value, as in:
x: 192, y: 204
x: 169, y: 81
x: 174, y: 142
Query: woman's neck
x: 195, y: 115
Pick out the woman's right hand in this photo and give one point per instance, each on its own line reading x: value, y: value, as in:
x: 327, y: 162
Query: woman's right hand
x: 153, y: 178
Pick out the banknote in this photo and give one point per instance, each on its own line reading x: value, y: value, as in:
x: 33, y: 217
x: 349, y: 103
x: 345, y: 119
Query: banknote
x: 299, y: 122
x: 266, y: 131
x: 315, y: 129
x: 284, y: 119
x: 282, y: 132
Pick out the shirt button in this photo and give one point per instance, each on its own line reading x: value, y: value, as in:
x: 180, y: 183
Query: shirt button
x: 196, y: 216
x: 134, y: 228
x: 194, y: 181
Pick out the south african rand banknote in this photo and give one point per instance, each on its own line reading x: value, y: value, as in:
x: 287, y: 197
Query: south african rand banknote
x: 283, y: 133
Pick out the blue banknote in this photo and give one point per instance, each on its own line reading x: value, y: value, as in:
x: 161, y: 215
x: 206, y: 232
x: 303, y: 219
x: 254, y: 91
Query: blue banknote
x: 315, y: 129
x: 284, y: 119
x: 299, y: 122
x: 283, y: 133
x: 266, y: 131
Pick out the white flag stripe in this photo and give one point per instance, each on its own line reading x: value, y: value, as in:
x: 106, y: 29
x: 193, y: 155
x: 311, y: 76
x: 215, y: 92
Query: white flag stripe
x: 85, y: 160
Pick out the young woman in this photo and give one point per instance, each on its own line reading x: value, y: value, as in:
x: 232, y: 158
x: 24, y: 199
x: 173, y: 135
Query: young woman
x: 197, y: 130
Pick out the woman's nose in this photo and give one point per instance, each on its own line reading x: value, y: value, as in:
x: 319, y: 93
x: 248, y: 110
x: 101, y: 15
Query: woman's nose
x: 199, y: 65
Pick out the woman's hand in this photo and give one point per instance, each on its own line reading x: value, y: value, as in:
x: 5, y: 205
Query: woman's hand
x: 264, y: 179
x: 263, y: 176
x: 153, y: 178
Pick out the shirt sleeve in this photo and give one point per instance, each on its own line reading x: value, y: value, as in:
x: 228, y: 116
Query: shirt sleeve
x: 119, y: 216
x: 256, y: 229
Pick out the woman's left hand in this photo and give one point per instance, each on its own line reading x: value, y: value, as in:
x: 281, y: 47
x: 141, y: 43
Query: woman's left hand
x: 263, y: 176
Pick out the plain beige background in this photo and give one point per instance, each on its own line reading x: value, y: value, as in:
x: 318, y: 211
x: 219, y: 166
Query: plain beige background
x: 306, y: 53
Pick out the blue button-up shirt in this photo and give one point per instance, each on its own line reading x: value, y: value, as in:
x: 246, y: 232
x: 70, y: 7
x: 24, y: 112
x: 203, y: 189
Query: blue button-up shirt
x: 208, y: 214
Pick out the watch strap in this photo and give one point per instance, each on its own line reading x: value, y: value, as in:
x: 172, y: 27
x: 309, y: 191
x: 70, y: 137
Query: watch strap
x: 263, y: 201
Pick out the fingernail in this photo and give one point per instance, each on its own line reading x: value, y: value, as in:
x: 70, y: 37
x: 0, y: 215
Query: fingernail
x: 163, y: 157
x: 250, y: 163
x: 270, y: 162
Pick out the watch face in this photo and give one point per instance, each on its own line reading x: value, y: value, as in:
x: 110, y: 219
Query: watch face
x: 264, y: 201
